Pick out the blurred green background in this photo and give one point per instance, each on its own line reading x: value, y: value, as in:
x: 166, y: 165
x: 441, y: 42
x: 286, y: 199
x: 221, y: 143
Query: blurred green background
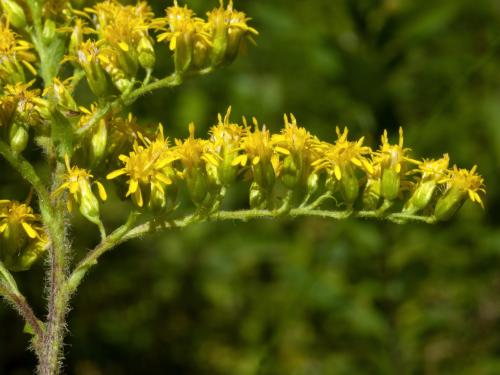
x: 311, y: 296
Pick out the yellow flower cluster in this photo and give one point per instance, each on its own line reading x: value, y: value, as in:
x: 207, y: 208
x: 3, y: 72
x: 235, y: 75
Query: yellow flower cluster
x: 111, y: 41
x: 22, y: 239
x: 15, y: 55
x: 293, y: 162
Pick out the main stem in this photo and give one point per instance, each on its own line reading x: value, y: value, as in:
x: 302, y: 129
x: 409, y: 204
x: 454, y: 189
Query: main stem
x: 50, y: 355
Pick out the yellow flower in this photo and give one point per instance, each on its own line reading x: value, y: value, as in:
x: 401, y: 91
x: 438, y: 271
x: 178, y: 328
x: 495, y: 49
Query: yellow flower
x: 467, y: 181
x: 22, y: 238
x: 78, y: 182
x: 148, y: 164
x: 225, y: 138
x: 15, y: 214
x: 343, y: 156
x: 299, y: 149
x: 227, y: 28
x: 14, y: 52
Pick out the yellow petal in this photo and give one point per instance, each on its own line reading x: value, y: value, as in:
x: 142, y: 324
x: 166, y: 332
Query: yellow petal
x: 138, y: 197
x: 123, y: 46
x: 282, y: 150
x: 162, y: 178
x: 172, y: 43
x: 115, y: 174
x: 357, y: 162
x: 338, y: 173
x: 2, y: 227
x: 102, y: 191
x: 256, y: 160
x: 240, y: 159
x: 29, y: 230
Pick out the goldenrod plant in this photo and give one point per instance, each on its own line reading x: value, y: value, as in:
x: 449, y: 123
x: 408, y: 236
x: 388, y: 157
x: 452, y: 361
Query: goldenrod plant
x: 49, y: 50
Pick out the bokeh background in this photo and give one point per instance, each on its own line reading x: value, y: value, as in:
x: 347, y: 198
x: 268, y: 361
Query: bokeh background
x: 311, y: 296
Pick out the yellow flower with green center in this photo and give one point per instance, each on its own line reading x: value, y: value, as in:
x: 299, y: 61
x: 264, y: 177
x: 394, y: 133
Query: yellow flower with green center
x: 433, y: 173
x: 259, y: 152
x: 299, y: 149
x: 78, y: 183
x: 22, y: 238
x: 225, y: 138
x: 186, y: 35
x: 149, y: 165
x: 15, y: 214
x: 393, y: 160
x: 340, y: 161
x: 227, y: 27
x: 14, y: 53
x: 461, y: 183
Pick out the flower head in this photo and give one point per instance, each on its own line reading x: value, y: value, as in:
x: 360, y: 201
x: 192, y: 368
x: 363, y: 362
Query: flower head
x: 14, y: 52
x: 78, y: 183
x: 149, y: 164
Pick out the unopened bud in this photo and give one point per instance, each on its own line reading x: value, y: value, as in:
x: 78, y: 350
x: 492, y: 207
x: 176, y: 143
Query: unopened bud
x: 89, y: 205
x: 390, y: 184
x: 19, y: 137
x: 421, y: 197
x: 349, y: 187
x: 312, y: 183
x: 99, y: 142
x: 14, y: 12
x: 448, y: 204
x: 257, y: 197
x: 146, y: 53
x: 183, y: 52
x: 289, y: 174
x: 371, y: 194
x: 49, y: 31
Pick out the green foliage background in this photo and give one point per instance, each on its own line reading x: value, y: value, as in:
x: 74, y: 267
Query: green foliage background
x: 311, y: 296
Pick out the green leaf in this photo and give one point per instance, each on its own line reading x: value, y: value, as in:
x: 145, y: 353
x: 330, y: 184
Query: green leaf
x: 62, y: 134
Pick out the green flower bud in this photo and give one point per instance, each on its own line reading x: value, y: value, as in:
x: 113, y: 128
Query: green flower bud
x: 257, y: 197
x: 235, y: 36
x: 198, y: 186
x: 97, y: 79
x: 49, y: 31
x: 371, y: 194
x: 349, y: 186
x: 390, y: 184
x: 14, y: 12
x: 99, y: 142
x: 146, y: 53
x: 19, y: 137
x: 226, y: 171
x: 219, y: 37
x: 421, y: 197
x: 449, y: 204
x: 183, y: 52
x: 312, y: 183
x: 127, y: 60
x: 89, y: 205
x: 201, y: 54
x: 289, y: 174
x: 264, y: 175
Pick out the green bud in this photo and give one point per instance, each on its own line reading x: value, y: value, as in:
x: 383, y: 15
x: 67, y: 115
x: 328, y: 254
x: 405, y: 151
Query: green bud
x: 257, y: 197
x: 201, y: 53
x: 123, y: 84
x: 49, y: 31
x: 89, y: 205
x: 97, y: 79
x: 198, y: 186
x: 219, y: 38
x: 128, y: 62
x: 312, y: 183
x: 390, y: 184
x: 19, y: 137
x: 235, y: 36
x: 14, y: 12
x: 183, y: 52
x: 146, y: 53
x: 264, y: 175
x: 157, y: 200
x: 421, y: 197
x: 371, y: 194
x: 226, y: 172
x: 99, y: 142
x: 290, y: 173
x: 449, y: 204
x: 349, y: 186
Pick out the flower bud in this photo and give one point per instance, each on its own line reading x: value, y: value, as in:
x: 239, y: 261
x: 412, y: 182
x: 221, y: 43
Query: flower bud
x: 349, y: 186
x: 99, y: 141
x: 89, y: 205
x: 49, y: 31
x: 14, y: 12
x: 19, y: 137
x: 264, y: 176
x: 235, y: 36
x: 421, y: 197
x: 390, y: 184
x: 198, y: 186
x: 448, y: 204
x: 201, y: 52
x: 25, y: 259
x: 183, y: 51
x: 257, y: 198
x: 289, y: 174
x: 219, y: 36
x: 146, y: 53
x: 371, y: 194
x: 312, y: 183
